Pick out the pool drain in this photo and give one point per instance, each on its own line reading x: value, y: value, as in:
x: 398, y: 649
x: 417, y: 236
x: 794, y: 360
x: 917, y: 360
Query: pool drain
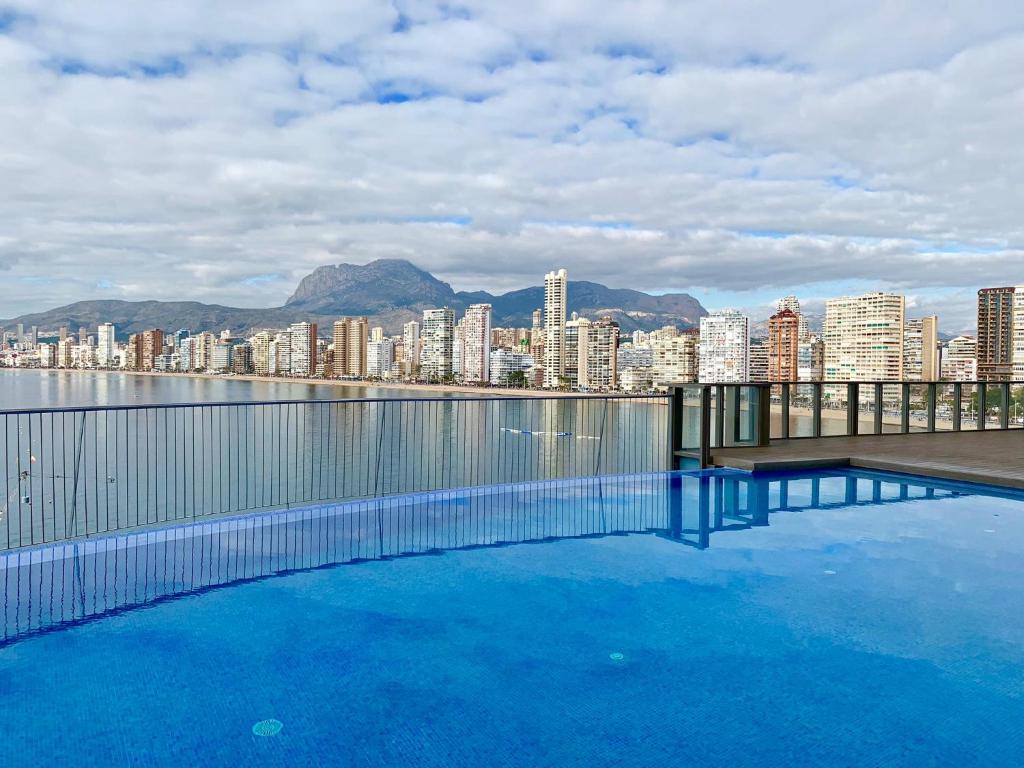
x: 269, y: 727
x: 617, y: 656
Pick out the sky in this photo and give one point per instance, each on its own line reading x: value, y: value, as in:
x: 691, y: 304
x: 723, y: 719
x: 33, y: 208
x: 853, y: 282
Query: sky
x: 742, y: 151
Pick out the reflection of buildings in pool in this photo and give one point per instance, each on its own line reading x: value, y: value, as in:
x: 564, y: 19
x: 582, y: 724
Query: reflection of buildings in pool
x: 89, y: 578
x: 728, y: 500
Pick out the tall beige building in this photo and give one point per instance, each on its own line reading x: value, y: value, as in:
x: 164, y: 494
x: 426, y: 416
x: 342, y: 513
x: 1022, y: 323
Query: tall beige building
x: 674, y: 358
x: 350, y: 337
x: 921, y: 349
x: 555, y: 298
x: 863, y: 337
x: 476, y: 344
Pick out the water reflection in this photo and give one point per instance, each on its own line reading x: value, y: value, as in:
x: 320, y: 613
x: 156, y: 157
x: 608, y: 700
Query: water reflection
x: 45, y: 587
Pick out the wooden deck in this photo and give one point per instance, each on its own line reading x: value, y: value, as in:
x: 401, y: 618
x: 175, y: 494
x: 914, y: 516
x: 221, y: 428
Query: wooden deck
x: 992, y: 457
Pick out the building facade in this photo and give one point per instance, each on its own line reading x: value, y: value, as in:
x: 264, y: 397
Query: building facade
x: 724, y: 347
x: 555, y: 303
x: 476, y: 344
x: 863, y: 337
x: 783, y: 345
x: 438, y: 339
x: 921, y: 349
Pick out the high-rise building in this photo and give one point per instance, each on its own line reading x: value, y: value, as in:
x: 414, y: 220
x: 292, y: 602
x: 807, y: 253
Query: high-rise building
x: 303, y: 349
x: 105, y: 345
x: 47, y: 355
x: 673, y: 359
x: 202, y: 350
x: 260, y: 343
x: 537, y: 337
x: 810, y: 361
x: 960, y: 362
x: 152, y: 344
x: 438, y: 338
x: 505, y: 363
x: 555, y: 298
x: 458, y: 348
x: 476, y: 344
x: 132, y: 352
x: 591, y: 353
x: 279, y: 359
x: 376, y: 333
x: 379, y: 356
x: 411, y: 347
x: 783, y: 344
x: 792, y: 303
x: 757, y: 364
x: 241, y: 358
x: 635, y: 356
x: 864, y: 337
x: 220, y: 357
x: 350, y: 339
x: 65, y: 353
x: 921, y: 349
x: 996, y: 332
x: 724, y: 347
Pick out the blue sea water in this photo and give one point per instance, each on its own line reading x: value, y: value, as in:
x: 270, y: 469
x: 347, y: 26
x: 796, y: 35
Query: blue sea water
x: 723, y: 619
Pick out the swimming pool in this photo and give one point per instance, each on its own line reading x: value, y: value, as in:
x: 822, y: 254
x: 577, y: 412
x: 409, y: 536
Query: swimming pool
x: 827, y: 618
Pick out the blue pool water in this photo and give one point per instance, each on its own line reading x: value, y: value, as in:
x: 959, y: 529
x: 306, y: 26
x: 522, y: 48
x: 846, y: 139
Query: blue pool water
x: 826, y: 618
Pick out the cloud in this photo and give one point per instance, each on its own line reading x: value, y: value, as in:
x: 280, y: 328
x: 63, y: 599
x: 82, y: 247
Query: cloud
x: 220, y: 150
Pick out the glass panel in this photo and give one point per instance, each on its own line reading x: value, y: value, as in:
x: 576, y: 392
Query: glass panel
x: 833, y: 409
x: 801, y: 404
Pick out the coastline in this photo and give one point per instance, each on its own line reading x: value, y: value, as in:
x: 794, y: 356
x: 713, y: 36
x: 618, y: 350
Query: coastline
x: 437, y: 389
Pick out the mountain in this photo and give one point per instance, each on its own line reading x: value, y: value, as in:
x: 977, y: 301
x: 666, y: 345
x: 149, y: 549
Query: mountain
x: 389, y: 292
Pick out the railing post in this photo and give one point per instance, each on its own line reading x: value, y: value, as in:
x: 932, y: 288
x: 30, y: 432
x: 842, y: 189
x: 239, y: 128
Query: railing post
x: 879, y: 394
x: 675, y: 424
x: 982, y: 398
x: 904, y: 408
x: 705, y: 427
x: 764, y: 415
x: 1004, y: 405
x: 958, y: 396
x: 852, y: 407
x: 720, y: 416
x: 785, y: 411
x: 735, y: 412
x: 931, y: 406
x: 816, y: 409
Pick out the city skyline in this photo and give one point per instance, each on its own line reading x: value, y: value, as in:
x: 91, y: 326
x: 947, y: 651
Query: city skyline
x: 826, y: 153
x: 864, y: 338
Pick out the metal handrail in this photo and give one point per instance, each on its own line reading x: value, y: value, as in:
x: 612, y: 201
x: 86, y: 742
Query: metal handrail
x: 331, y: 401
x: 715, y: 415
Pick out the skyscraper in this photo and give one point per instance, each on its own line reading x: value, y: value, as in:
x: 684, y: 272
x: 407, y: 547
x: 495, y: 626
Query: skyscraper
x: 960, y: 363
x: 438, y: 340
x: 674, y: 358
x: 921, y: 349
x: 792, y: 303
x: 864, y: 337
x: 783, y: 345
x: 379, y: 356
x: 476, y: 344
x: 260, y: 343
x: 724, y: 347
x: 105, y: 345
x: 152, y: 346
x: 555, y: 296
x: 411, y: 347
x: 1000, y: 312
x: 350, y: 340
x: 757, y: 362
x: 303, y: 349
